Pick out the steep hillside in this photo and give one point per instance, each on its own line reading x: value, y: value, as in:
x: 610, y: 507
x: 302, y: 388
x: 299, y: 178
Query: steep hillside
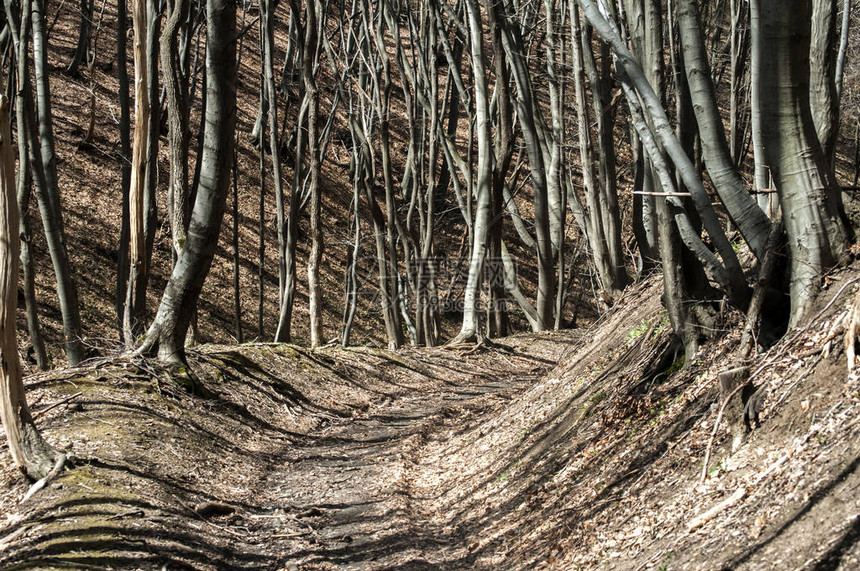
x: 574, y: 450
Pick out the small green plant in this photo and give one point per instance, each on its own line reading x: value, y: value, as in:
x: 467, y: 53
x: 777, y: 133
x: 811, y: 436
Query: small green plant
x: 665, y: 565
x: 637, y: 331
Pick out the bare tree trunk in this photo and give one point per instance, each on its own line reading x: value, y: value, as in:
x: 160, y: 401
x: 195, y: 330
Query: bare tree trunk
x: 504, y: 148
x: 179, y: 134
x: 822, y: 85
x: 19, y: 26
x: 166, y: 335
x: 646, y: 37
x: 470, y: 328
x: 767, y: 201
x: 526, y: 111
x: 314, y: 289
x: 750, y: 220
x: 35, y: 457
x: 125, y: 166
x: 739, y: 51
x: 610, y: 267
x: 28, y: 270
x: 659, y: 122
x: 83, y: 47
x: 816, y: 235
x: 49, y: 195
x: 134, y: 312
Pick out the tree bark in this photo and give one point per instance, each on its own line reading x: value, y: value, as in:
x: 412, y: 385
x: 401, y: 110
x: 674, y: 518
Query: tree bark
x: 816, y: 235
x: 135, y: 304
x: 125, y: 168
x: 750, y: 220
x: 19, y: 26
x: 166, y: 335
x: 179, y: 134
x: 315, y: 300
x: 49, y: 195
x: 35, y: 457
x: 470, y: 328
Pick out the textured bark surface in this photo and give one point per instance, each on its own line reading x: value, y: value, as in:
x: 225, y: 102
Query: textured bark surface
x: 29, y: 450
x: 816, y: 235
x: 170, y: 327
x: 742, y: 208
x: 135, y: 300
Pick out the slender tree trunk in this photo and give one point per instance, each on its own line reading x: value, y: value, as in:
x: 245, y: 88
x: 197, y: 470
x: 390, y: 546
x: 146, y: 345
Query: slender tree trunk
x: 613, y: 278
x: 125, y: 167
x: 19, y: 25
x: 646, y: 37
x: 822, y: 85
x: 470, y: 329
x: 315, y: 301
x: 179, y: 134
x: 49, y: 195
x: 166, y: 335
x: 83, y: 47
x: 767, y: 201
x: 35, y: 457
x: 750, y: 220
x: 739, y: 51
x: 504, y: 148
x: 135, y: 313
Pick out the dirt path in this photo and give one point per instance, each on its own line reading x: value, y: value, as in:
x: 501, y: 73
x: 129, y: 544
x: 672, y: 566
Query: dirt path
x: 344, y: 498
x: 304, y: 461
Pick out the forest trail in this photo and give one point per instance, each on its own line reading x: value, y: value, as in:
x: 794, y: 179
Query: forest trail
x: 318, y: 478
x: 344, y: 497
x: 574, y: 450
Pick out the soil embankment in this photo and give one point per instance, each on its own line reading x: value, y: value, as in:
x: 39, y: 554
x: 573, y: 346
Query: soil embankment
x: 569, y: 450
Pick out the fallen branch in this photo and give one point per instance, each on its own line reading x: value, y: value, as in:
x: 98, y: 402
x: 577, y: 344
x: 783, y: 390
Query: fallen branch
x: 704, y: 518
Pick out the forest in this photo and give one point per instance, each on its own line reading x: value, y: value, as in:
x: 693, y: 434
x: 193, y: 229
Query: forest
x: 191, y: 182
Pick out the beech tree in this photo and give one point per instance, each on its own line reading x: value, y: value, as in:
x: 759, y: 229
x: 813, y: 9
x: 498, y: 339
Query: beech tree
x: 166, y: 336
x: 30, y: 452
x: 486, y: 135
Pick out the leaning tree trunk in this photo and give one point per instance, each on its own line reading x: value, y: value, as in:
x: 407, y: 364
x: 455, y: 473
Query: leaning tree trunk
x: 166, y: 336
x: 750, y: 220
x: 35, y: 457
x: 816, y: 235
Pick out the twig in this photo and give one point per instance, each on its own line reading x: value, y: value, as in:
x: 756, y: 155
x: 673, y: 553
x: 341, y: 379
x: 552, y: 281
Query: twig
x: 38, y: 414
x: 714, y: 431
x: 648, y: 193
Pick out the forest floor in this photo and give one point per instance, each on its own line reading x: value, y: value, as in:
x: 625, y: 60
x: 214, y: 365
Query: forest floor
x: 581, y: 449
